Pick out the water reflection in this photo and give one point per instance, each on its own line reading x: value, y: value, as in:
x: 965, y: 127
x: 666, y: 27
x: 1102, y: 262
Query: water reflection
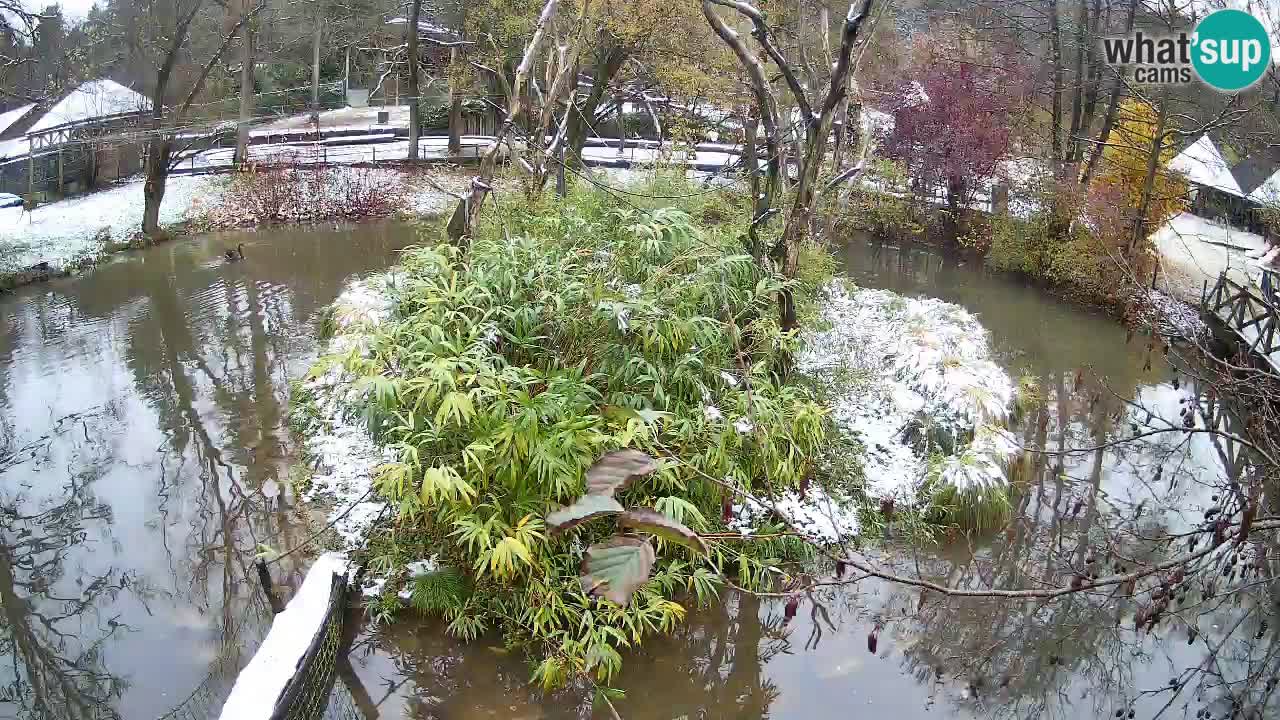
x: 144, y: 458
x: 1078, y: 513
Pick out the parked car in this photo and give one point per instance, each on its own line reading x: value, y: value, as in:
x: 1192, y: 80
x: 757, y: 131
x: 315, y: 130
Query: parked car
x: 9, y: 200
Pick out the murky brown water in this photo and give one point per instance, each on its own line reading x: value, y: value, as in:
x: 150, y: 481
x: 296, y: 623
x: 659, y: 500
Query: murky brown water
x: 142, y: 457
x: 143, y: 414
x: 1075, y: 658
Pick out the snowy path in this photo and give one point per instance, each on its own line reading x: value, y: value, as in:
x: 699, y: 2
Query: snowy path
x: 1196, y: 251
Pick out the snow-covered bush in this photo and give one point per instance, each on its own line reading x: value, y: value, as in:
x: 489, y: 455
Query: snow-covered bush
x: 914, y: 381
x: 283, y: 193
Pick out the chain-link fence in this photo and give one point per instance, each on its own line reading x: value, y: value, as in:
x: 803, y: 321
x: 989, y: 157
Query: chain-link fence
x: 319, y: 689
x: 306, y: 697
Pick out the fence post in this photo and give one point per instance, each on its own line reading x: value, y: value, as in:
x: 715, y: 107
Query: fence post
x: 60, y: 184
x: 31, y: 175
x: 375, y: 153
x: 560, y: 188
x: 264, y: 577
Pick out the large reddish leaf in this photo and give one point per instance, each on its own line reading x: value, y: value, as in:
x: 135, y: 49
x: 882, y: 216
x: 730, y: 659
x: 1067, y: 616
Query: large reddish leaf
x: 615, y: 568
x: 615, y: 470
x: 655, y: 523
x: 588, y: 507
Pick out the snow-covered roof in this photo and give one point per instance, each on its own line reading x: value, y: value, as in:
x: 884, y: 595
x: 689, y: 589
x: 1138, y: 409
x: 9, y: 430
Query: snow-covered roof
x: 94, y: 99
x: 1203, y: 165
x: 12, y: 116
x: 17, y: 147
x: 426, y: 27
x: 1268, y: 193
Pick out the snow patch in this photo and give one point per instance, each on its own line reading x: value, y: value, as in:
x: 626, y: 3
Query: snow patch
x: 914, y: 377
x: 344, y: 453
x: 1169, y: 315
x: 262, y: 681
x: 72, y: 231
x: 817, y: 513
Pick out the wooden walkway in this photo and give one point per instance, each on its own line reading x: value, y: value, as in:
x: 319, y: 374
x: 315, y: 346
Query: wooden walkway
x: 1249, y: 314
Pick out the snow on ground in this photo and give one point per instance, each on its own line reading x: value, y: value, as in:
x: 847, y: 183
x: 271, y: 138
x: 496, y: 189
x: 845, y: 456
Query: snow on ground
x: 347, y: 118
x: 260, y: 683
x: 339, y: 444
x: 72, y: 231
x: 15, y: 148
x: 1169, y: 315
x: 915, y: 377
x: 1196, y: 251
x: 435, y: 148
x: 300, y: 153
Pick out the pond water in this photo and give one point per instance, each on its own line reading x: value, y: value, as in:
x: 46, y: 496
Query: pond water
x: 1074, y: 658
x: 144, y: 458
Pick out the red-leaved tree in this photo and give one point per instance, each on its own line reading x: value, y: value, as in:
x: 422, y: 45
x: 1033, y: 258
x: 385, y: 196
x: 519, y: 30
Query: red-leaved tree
x: 951, y: 125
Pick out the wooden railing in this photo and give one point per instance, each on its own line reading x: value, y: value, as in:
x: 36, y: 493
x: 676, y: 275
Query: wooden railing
x: 1249, y: 315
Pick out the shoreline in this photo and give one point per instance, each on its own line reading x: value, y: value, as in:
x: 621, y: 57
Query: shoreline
x: 193, y: 204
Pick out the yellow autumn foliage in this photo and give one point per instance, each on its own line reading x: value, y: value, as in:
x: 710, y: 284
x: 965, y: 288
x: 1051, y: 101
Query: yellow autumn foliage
x: 1124, y: 166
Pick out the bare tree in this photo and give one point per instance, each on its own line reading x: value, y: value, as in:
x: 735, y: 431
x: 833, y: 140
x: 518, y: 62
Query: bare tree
x: 816, y: 126
x: 415, y: 102
x: 535, y: 162
x: 170, y: 31
x: 247, y: 60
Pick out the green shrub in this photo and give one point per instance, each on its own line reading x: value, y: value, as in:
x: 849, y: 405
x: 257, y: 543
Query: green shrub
x: 570, y: 328
x: 889, y: 211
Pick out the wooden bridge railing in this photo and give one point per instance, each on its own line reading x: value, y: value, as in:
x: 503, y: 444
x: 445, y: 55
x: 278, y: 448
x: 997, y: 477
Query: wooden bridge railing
x: 1253, y: 318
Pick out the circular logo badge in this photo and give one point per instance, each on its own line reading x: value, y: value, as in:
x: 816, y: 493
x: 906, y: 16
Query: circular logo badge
x: 1231, y: 50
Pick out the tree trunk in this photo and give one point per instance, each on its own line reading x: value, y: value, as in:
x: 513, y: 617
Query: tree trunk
x: 455, y: 106
x: 606, y: 67
x: 752, y: 165
x: 1148, y: 183
x: 246, y: 96
x: 315, y: 65
x: 462, y: 223
x: 414, y: 101
x: 1055, y: 51
x: 620, y: 99
x: 158, y: 154
x: 1109, y: 120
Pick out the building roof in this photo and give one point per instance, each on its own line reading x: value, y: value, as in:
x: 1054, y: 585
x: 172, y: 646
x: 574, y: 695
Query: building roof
x: 10, y: 117
x: 1268, y: 193
x: 94, y: 99
x: 1254, y: 170
x: 429, y: 28
x: 1203, y: 165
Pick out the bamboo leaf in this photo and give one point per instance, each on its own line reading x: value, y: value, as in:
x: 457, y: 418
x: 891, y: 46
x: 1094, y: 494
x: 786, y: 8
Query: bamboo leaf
x: 588, y: 507
x: 615, y: 568
x: 615, y: 470
x: 655, y: 523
